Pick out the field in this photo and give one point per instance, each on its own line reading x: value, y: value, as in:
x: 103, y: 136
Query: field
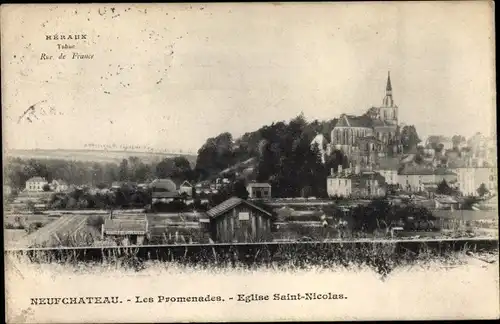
x: 96, y: 155
x: 53, y: 231
x: 454, y: 286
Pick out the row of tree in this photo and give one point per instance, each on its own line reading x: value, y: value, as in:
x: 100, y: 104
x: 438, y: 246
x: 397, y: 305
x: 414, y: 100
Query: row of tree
x: 17, y: 171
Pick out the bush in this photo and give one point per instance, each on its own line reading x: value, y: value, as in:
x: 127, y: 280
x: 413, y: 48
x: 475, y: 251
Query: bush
x: 95, y: 221
x: 34, y: 227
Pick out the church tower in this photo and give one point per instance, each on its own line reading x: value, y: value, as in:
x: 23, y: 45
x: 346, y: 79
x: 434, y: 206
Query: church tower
x: 389, y: 111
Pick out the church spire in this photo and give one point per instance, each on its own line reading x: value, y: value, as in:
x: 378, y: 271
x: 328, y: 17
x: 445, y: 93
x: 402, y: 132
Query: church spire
x: 388, y: 89
x: 388, y: 101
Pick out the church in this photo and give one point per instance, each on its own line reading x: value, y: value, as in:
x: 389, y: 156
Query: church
x: 373, y: 135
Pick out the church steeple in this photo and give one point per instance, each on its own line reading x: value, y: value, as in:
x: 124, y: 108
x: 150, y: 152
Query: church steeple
x: 388, y: 101
x: 388, y: 89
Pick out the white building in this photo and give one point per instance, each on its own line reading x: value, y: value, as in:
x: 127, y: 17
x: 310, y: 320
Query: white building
x: 36, y: 184
x: 340, y: 186
x: 186, y: 188
x: 469, y: 179
x: 259, y: 190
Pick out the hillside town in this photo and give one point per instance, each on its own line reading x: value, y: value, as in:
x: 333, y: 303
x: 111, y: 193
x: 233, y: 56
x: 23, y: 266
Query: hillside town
x: 371, y: 176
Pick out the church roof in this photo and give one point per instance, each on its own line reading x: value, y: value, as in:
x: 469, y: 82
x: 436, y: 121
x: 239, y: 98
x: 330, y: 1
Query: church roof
x: 355, y: 121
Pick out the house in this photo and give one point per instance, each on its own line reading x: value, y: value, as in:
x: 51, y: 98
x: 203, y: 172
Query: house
x: 338, y: 185
x: 388, y: 168
x: 36, y: 184
x: 59, y: 185
x: 164, y: 197
x: 259, y: 190
x: 469, y: 179
x: 368, y: 184
x: 237, y: 220
x: 125, y: 231
x: 348, y: 184
x: 186, y: 188
x: 415, y: 177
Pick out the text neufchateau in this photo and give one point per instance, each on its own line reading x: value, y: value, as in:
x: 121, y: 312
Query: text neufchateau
x: 58, y: 37
x: 246, y: 298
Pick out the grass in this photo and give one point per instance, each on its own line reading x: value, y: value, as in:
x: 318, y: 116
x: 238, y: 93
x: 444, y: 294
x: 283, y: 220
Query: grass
x: 383, y: 258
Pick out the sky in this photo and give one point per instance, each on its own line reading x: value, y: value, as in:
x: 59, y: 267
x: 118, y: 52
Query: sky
x: 169, y: 76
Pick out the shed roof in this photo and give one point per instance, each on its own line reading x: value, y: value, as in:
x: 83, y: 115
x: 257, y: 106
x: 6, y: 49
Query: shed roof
x: 125, y: 226
x: 230, y: 204
x: 259, y: 184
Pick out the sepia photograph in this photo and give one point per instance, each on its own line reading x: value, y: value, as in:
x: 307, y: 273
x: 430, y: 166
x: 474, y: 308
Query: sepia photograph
x: 236, y: 162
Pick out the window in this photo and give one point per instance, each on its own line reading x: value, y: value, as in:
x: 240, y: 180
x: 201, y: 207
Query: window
x: 244, y: 216
x: 266, y: 193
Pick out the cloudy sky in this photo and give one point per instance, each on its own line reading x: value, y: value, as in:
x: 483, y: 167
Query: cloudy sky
x: 170, y: 76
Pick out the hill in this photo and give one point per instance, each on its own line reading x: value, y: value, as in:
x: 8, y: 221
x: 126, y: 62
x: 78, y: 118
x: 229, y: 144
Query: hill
x: 280, y: 153
x: 102, y: 156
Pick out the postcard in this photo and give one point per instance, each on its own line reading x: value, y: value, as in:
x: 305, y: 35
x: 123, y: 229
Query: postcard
x: 232, y: 162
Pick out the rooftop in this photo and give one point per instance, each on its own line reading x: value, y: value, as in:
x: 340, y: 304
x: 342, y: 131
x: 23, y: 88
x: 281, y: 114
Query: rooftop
x: 125, y: 227
x: 259, y: 184
x: 355, y: 121
x: 230, y: 204
x: 163, y: 184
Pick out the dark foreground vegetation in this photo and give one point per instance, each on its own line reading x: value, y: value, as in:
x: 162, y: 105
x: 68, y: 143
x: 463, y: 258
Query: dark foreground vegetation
x: 383, y: 257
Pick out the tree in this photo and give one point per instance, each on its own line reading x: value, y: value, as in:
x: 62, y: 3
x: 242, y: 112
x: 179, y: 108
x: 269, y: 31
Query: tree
x: 457, y: 140
x: 46, y: 187
x: 123, y: 173
x: 336, y: 159
x: 239, y: 189
x: 409, y: 138
x: 482, y: 190
x: 439, y: 147
x: 215, y: 155
x: 443, y: 188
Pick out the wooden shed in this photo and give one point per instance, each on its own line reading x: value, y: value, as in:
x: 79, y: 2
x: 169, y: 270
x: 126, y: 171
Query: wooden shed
x: 239, y: 221
x: 125, y: 231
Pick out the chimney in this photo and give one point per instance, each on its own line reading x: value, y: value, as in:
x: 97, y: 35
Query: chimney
x: 340, y: 168
x: 357, y: 169
x: 332, y: 171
